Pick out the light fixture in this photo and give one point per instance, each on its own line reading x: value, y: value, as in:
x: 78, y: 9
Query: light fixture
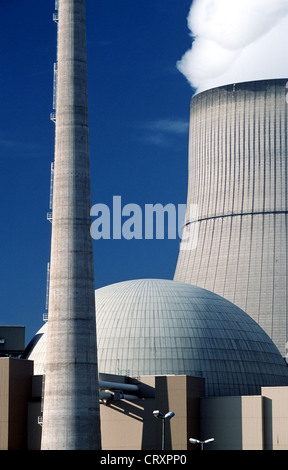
x: 159, y: 415
x: 196, y: 441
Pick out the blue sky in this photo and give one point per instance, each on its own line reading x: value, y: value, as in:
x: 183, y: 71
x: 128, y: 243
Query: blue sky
x: 139, y: 112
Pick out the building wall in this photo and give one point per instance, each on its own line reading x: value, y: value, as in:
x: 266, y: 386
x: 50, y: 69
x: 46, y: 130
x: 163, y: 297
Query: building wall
x: 236, y: 423
x: 252, y: 423
x: 221, y: 419
x: 4, y: 403
x: 12, y: 340
x: 180, y: 394
x: 276, y: 417
x: 238, y: 180
x: 15, y: 391
x: 34, y: 410
x: 130, y: 425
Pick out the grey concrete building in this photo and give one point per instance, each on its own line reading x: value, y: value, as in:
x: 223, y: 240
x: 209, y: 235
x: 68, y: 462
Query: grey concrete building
x: 238, y: 179
x: 71, y: 403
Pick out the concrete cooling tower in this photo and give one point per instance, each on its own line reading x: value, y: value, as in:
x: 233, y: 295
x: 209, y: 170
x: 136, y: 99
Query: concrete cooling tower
x: 238, y: 179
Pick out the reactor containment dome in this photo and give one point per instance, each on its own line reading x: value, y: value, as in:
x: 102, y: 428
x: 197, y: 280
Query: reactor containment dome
x: 161, y: 327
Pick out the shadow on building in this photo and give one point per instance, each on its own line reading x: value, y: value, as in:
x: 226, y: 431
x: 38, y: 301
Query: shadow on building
x: 255, y: 422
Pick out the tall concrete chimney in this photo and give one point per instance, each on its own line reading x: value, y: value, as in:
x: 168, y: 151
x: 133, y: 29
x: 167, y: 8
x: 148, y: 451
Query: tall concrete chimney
x: 71, y: 418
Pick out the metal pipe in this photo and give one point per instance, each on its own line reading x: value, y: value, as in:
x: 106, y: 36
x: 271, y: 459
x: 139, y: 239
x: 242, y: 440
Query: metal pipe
x: 103, y: 385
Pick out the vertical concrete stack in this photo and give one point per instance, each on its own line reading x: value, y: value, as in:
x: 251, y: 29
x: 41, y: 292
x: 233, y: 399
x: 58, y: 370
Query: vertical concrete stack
x: 71, y: 402
x: 238, y: 161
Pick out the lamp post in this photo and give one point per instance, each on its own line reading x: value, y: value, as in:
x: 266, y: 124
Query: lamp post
x: 159, y: 415
x: 196, y: 441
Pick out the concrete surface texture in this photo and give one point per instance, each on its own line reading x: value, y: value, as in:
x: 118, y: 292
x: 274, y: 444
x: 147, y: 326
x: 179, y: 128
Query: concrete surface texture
x: 71, y: 402
x: 238, y: 179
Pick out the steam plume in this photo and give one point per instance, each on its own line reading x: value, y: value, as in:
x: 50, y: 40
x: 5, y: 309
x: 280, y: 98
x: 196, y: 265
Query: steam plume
x: 235, y: 41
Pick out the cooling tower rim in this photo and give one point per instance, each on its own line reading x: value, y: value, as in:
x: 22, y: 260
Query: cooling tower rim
x: 233, y: 85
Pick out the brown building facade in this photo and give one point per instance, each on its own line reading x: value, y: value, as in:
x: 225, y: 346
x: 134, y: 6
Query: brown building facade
x: 127, y: 421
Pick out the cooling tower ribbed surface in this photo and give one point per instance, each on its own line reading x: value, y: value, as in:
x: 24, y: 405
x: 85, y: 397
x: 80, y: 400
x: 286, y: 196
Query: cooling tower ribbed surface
x: 238, y: 179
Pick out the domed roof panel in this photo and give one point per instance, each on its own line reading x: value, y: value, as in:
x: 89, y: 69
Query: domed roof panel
x: 156, y: 326
x: 150, y: 327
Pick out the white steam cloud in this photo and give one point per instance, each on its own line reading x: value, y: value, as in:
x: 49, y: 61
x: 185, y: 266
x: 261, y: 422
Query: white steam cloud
x: 236, y: 41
